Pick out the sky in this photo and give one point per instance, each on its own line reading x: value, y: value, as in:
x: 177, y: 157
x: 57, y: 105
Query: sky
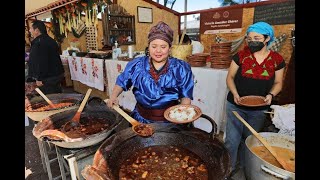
x: 193, y: 5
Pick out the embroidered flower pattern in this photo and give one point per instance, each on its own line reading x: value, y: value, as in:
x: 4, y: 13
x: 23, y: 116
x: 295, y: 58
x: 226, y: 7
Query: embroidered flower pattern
x: 153, y: 71
x: 83, y: 67
x: 94, y: 69
x: 119, y: 68
x: 251, y: 69
x: 74, y: 63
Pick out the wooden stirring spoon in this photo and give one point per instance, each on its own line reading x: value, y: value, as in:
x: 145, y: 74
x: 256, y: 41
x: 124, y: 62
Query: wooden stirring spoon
x: 282, y: 162
x: 75, y: 121
x: 45, y: 98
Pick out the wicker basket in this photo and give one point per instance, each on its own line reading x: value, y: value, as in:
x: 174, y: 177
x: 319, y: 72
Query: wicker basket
x: 181, y: 51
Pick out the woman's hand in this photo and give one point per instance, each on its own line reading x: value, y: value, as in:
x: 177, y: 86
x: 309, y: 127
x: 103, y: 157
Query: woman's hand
x: 112, y: 101
x: 39, y: 83
x: 236, y: 99
x: 268, y: 99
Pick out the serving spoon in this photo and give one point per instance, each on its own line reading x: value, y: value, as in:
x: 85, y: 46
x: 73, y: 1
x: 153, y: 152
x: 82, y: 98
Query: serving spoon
x: 281, y: 161
x: 141, y: 129
x: 75, y: 121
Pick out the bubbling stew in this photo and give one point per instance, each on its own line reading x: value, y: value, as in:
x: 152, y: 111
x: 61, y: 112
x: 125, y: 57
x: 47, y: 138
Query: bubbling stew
x: 88, y: 126
x: 164, y: 163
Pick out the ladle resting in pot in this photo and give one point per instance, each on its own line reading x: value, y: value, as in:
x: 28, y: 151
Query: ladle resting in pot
x: 281, y: 161
x: 76, y: 118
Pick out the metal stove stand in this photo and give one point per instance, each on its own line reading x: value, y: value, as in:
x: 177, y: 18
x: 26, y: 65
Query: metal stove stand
x: 46, y: 150
x: 78, y: 158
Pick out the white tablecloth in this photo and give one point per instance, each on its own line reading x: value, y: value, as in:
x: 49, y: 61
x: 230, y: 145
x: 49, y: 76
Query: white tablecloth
x: 88, y: 71
x: 209, y: 94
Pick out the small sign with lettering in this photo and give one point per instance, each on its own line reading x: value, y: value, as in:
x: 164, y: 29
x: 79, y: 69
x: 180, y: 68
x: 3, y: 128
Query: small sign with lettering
x: 224, y: 21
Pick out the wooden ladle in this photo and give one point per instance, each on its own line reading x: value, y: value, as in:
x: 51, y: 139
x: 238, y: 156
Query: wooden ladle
x: 282, y: 162
x: 45, y: 98
x: 141, y: 129
x: 75, y: 121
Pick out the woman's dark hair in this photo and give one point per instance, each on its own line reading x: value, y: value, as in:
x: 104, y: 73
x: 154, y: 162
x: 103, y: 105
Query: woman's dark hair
x: 37, y: 24
x: 146, y: 51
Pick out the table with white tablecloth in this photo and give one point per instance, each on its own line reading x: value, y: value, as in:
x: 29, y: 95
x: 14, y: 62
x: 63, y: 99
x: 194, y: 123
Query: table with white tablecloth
x: 88, y: 71
x: 209, y: 94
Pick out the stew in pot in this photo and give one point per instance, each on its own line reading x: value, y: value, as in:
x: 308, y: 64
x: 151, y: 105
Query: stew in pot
x: 88, y: 126
x: 41, y: 107
x: 164, y: 163
x: 287, y: 154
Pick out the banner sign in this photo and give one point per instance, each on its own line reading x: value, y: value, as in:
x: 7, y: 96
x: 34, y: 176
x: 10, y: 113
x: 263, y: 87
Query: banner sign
x: 224, y: 21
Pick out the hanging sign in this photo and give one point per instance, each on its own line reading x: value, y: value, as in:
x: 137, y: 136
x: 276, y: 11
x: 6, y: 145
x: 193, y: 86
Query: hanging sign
x: 224, y: 21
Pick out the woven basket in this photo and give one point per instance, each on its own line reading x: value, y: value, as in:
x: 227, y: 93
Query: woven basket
x: 181, y: 51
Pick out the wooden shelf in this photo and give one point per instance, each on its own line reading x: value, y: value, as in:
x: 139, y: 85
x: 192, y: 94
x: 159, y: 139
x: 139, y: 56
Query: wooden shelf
x: 117, y: 27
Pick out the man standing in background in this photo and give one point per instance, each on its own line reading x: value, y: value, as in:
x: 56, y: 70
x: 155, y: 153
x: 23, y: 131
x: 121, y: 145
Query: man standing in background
x: 45, y: 66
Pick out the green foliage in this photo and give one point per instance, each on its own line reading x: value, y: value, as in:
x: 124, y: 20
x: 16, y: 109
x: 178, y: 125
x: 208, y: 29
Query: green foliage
x: 227, y: 2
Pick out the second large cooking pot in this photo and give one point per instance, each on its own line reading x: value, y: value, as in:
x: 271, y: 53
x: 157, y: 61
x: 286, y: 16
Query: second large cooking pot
x: 56, y: 121
x: 38, y: 101
x: 258, y: 168
x: 118, y: 147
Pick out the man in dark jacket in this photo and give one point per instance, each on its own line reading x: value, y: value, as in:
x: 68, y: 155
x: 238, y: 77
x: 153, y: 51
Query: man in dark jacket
x: 45, y: 66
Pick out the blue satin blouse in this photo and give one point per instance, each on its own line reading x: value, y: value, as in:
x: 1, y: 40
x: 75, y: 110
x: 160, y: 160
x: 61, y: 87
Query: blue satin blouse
x: 173, y: 85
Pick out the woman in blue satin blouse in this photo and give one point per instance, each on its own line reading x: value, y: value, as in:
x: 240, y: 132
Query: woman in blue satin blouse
x: 158, y: 81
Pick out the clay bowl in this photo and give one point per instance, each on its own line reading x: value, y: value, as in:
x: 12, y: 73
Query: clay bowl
x: 252, y: 101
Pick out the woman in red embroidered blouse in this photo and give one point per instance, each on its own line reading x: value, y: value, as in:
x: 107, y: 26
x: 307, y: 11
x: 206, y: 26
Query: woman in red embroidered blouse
x: 254, y: 71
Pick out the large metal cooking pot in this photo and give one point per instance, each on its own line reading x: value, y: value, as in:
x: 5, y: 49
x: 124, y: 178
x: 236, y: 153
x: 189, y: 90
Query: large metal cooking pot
x: 118, y: 147
x: 257, y: 168
x: 38, y: 101
x: 57, y: 120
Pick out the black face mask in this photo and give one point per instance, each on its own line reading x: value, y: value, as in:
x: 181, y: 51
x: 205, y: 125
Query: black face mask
x: 255, y: 46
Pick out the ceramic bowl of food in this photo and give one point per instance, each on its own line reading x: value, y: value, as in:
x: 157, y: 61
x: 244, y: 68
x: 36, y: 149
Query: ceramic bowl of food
x: 181, y: 114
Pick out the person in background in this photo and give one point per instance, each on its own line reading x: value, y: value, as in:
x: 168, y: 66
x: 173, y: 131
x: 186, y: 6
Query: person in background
x: 26, y: 52
x: 26, y: 58
x: 158, y: 81
x: 255, y: 70
x: 45, y: 66
x: 197, y: 47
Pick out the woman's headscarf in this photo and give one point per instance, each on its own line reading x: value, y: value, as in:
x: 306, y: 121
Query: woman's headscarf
x: 262, y: 28
x: 161, y: 31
